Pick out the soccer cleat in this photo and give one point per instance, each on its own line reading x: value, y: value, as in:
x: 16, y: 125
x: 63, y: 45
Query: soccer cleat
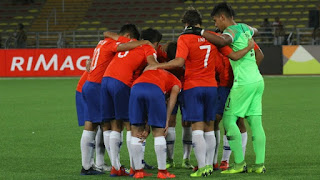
x: 202, y: 172
x: 121, y: 172
x: 170, y: 164
x: 114, y: 172
x: 257, y: 169
x: 215, y: 166
x: 138, y: 174
x: 186, y: 164
x: 103, y: 168
x: 209, y: 170
x: 90, y: 171
x: 124, y: 171
x: 224, y: 165
x: 132, y: 172
x: 236, y: 168
x: 164, y: 174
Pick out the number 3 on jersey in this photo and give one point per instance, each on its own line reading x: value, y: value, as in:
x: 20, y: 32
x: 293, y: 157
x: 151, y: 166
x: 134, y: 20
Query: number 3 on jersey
x: 208, y: 48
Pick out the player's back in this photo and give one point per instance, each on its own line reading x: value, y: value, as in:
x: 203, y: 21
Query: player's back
x: 162, y: 78
x: 199, y: 57
x: 124, y: 64
x: 102, y: 56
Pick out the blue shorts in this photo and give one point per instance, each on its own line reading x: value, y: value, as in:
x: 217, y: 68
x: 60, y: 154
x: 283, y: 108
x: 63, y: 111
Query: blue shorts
x: 114, y: 99
x: 80, y: 108
x: 91, y: 94
x: 147, y: 99
x: 223, y: 93
x: 199, y: 104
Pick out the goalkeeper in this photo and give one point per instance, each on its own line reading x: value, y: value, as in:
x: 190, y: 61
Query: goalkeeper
x: 245, y: 98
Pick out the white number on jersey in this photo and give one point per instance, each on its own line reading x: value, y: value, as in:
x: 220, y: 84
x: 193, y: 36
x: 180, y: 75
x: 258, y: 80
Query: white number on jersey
x: 208, y: 48
x: 95, y: 58
x: 120, y: 55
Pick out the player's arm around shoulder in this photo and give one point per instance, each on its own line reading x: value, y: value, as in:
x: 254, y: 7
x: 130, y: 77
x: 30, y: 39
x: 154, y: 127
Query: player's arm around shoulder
x: 218, y: 40
x: 112, y: 35
x: 236, y: 55
x: 175, y: 63
x: 131, y: 45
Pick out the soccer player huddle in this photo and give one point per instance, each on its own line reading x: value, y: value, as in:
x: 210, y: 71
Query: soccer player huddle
x: 138, y: 85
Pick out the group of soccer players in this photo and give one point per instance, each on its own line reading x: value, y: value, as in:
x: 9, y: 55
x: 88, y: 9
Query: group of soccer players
x: 126, y: 86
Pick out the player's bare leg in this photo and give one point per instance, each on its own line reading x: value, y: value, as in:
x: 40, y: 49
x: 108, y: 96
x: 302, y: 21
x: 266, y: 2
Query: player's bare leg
x: 170, y: 139
x: 244, y: 135
x: 187, y: 144
x: 160, y: 149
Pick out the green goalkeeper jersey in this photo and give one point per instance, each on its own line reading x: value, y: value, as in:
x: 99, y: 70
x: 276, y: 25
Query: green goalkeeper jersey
x: 245, y: 70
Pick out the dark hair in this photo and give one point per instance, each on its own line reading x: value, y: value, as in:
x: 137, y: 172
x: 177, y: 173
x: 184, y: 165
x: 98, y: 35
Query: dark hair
x: 223, y: 8
x: 151, y: 35
x: 131, y: 29
x: 171, y: 50
x: 192, y: 17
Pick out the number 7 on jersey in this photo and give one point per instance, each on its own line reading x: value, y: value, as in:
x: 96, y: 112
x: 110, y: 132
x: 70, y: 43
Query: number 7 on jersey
x: 208, y: 48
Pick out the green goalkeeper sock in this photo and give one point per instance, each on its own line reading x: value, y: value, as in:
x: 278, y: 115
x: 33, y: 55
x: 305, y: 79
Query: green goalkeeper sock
x: 234, y: 137
x: 258, y: 138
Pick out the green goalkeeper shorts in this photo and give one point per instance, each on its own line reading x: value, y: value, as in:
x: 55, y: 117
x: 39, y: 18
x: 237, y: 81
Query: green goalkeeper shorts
x: 245, y: 100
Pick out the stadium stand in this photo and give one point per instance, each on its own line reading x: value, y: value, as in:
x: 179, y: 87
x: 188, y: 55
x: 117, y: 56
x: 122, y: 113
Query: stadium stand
x: 80, y: 23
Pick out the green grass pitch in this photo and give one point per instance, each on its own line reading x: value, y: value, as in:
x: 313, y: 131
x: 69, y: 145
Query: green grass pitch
x: 40, y: 138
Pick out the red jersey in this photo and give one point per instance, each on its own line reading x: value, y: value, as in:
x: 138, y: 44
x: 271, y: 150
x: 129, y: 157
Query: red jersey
x: 102, y: 56
x: 224, y: 71
x: 162, y: 78
x: 81, y: 82
x: 199, y: 55
x: 124, y: 64
x: 162, y: 55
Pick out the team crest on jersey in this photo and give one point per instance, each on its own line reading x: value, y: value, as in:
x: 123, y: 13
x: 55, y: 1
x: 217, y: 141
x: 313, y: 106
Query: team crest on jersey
x: 201, y: 39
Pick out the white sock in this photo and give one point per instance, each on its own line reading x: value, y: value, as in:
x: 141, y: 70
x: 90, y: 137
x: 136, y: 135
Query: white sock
x: 121, y: 142
x: 115, y: 140
x: 199, y: 145
x: 210, y: 139
x: 160, y: 148
x: 187, y: 142
x: 136, y: 149
x: 87, y: 147
x: 171, y: 137
x: 143, y: 150
x: 100, y: 149
x: 226, y: 149
x: 128, y: 139
x: 106, y: 140
x: 244, y: 142
x: 216, y: 152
